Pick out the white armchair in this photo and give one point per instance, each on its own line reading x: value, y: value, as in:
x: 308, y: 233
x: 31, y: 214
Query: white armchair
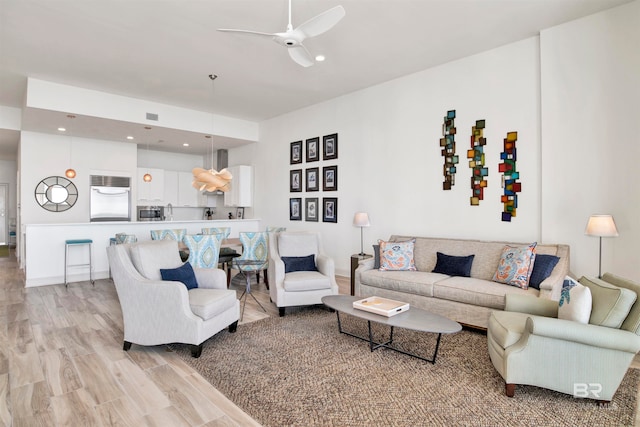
x: 295, y: 288
x: 162, y: 312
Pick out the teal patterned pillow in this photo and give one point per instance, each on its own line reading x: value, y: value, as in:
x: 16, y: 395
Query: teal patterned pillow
x: 515, y: 265
x: 204, y: 249
x: 397, y: 255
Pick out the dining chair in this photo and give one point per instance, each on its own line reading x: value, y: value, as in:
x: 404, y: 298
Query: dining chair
x: 225, y: 231
x: 175, y: 234
x: 255, y: 247
x: 204, y: 249
x: 122, y: 238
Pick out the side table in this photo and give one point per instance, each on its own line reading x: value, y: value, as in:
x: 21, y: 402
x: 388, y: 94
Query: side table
x: 355, y: 259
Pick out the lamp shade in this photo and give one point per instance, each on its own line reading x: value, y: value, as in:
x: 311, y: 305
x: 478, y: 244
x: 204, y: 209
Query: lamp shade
x: 361, y: 219
x: 601, y: 225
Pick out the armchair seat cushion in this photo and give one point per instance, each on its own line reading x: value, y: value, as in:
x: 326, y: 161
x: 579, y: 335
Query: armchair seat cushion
x: 302, y: 281
x: 208, y: 303
x: 507, y: 327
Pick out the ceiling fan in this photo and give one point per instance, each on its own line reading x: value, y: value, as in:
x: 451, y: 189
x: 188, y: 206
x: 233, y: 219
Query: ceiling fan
x: 292, y: 38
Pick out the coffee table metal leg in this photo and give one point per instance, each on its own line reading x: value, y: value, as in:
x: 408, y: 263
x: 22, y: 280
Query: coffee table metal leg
x: 246, y: 292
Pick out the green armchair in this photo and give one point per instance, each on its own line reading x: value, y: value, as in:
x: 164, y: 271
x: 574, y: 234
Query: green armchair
x: 528, y: 344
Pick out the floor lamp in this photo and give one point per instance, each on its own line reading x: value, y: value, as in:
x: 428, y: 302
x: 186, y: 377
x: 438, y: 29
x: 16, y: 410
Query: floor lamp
x: 361, y: 219
x: 601, y: 226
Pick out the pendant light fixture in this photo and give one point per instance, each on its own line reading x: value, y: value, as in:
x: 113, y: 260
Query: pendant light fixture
x: 70, y: 173
x: 147, y: 176
x: 211, y: 180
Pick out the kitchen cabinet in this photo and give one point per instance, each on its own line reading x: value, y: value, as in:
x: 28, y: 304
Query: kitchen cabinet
x: 188, y: 195
x: 151, y: 193
x: 171, y: 187
x: 241, y: 188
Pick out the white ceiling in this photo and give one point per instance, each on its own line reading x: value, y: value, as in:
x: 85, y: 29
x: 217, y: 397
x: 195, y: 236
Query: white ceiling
x: 164, y: 50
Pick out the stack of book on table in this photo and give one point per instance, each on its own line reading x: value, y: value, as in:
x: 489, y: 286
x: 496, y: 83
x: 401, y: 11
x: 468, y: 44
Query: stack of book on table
x: 382, y: 306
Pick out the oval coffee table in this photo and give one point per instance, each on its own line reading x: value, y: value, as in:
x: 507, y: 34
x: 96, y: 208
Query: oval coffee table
x: 415, y: 319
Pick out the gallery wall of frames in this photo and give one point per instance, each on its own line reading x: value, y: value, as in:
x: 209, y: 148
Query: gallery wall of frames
x: 312, y: 171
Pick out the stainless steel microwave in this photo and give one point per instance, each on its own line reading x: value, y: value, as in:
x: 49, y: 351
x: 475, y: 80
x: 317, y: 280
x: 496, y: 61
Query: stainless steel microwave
x: 150, y: 213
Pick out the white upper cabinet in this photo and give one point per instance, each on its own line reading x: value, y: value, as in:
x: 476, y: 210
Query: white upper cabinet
x: 171, y: 187
x: 151, y: 193
x: 188, y: 195
x: 241, y: 188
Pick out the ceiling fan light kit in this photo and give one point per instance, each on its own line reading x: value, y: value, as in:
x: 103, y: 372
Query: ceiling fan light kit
x: 292, y: 38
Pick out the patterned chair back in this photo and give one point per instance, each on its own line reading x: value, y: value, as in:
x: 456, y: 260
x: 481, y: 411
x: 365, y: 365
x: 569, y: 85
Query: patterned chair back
x: 276, y: 229
x: 254, y: 247
x: 204, y: 249
x: 177, y: 234
x: 125, y: 238
x: 225, y: 231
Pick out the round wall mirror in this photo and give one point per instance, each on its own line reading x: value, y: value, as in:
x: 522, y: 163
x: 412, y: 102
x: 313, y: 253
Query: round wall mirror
x: 56, y: 194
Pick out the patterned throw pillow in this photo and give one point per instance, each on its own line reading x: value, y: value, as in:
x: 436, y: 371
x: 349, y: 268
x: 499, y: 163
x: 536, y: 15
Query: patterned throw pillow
x: 204, y: 249
x: 515, y: 265
x: 397, y: 255
x: 575, y: 301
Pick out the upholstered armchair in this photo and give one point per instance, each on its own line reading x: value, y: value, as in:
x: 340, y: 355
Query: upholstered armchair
x: 161, y: 312
x: 528, y: 344
x: 299, y: 272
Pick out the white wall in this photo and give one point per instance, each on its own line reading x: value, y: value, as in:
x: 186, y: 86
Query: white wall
x: 591, y: 137
x: 389, y: 161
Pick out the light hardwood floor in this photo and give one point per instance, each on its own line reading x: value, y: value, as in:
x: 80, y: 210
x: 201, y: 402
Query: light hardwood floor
x: 62, y: 363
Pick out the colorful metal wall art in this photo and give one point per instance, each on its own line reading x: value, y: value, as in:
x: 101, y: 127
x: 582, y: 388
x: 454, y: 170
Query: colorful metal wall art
x: 510, y: 176
x: 448, y: 144
x: 476, y: 163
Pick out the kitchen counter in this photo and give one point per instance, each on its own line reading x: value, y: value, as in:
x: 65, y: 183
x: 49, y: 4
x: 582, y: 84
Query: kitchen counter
x: 44, y: 244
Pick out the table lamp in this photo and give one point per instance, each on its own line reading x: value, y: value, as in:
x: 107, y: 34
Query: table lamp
x: 361, y: 219
x: 601, y: 226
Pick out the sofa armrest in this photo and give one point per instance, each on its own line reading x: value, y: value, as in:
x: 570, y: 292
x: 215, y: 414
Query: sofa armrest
x: 211, y: 278
x: 365, y: 264
x: 591, y: 335
x: 531, y: 305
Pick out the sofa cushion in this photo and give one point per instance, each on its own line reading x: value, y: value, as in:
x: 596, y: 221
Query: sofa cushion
x: 632, y: 322
x: 453, y: 265
x: 507, y: 327
x: 305, y: 281
x: 611, y: 304
x: 397, y: 255
x: 515, y: 265
x: 542, y: 268
x: 208, y: 303
x: 410, y: 282
x: 478, y: 292
x: 575, y: 302
x: 299, y: 263
x: 183, y: 274
x: 150, y: 256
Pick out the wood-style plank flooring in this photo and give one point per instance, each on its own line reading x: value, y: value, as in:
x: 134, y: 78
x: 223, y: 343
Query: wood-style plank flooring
x: 62, y: 363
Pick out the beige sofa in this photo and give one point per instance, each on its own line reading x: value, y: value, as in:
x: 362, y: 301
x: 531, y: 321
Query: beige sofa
x: 467, y: 300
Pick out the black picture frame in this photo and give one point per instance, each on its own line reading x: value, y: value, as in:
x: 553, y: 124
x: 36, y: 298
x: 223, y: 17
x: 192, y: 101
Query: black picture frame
x: 295, y: 181
x: 330, y: 178
x: 313, y: 149
x: 330, y: 209
x: 311, y: 209
x: 330, y: 147
x: 295, y: 153
x: 312, y: 179
x: 295, y: 209
x: 239, y: 213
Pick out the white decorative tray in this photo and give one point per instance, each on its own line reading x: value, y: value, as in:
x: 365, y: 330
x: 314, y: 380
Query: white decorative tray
x: 382, y: 306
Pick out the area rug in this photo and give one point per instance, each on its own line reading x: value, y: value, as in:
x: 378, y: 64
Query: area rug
x: 299, y: 371
x: 4, y: 251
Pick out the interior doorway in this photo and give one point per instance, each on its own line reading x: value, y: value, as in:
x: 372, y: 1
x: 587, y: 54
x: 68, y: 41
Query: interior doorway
x: 4, y: 191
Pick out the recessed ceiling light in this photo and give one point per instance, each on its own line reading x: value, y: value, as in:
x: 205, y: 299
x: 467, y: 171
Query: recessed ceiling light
x: 185, y: 145
x: 62, y: 129
x: 129, y: 137
x: 320, y: 58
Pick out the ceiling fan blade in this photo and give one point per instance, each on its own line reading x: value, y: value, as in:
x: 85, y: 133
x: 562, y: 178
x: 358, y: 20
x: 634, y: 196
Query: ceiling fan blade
x: 323, y: 22
x: 254, y: 33
x: 301, y: 55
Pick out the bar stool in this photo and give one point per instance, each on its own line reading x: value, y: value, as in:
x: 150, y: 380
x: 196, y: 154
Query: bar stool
x: 77, y: 242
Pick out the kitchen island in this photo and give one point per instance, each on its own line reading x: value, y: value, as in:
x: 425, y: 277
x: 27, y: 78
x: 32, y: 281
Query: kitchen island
x: 44, y: 245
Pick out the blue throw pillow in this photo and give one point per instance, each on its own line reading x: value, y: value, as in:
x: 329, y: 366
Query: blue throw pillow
x: 182, y: 274
x: 376, y: 257
x: 299, y: 263
x: 454, y: 265
x: 542, y: 268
